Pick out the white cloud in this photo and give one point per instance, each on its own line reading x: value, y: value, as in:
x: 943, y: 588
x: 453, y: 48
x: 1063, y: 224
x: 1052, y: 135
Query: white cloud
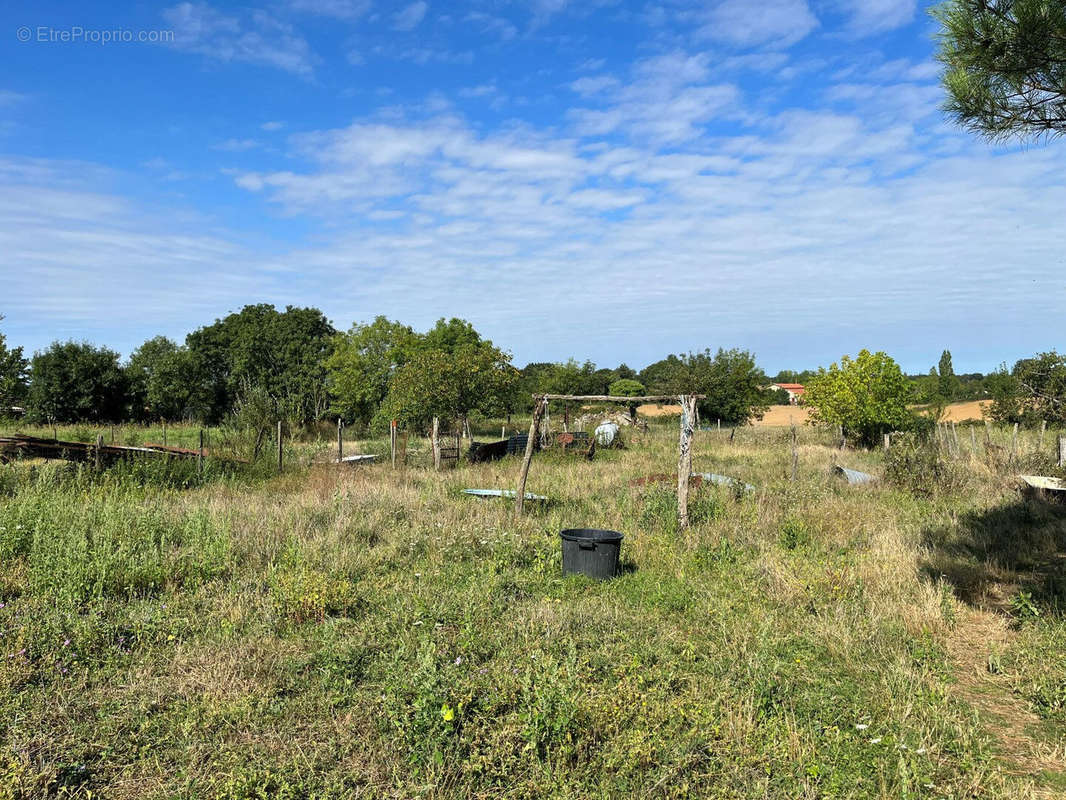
x: 236, y: 145
x: 273, y: 125
x: 260, y: 39
x: 339, y: 9
x: 668, y: 100
x: 868, y: 17
x: 10, y: 98
x: 410, y: 17
x: 746, y: 24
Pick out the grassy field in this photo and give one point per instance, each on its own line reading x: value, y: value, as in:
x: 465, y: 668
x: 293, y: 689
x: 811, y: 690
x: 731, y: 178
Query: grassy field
x: 365, y: 632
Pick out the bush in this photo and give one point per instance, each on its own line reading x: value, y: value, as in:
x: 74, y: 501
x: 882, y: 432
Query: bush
x: 917, y: 464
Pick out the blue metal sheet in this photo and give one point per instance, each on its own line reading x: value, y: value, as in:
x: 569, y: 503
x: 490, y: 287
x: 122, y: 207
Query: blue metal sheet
x: 725, y: 480
x: 501, y: 493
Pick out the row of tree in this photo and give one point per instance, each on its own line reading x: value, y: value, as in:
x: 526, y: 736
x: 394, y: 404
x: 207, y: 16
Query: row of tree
x: 263, y: 363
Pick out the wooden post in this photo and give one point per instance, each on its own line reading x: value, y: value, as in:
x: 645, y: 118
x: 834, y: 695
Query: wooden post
x: 795, y: 454
x: 200, y: 454
x: 457, y: 448
x: 392, y: 442
x: 1014, y: 442
x: 843, y: 440
x: 684, y: 458
x: 539, y: 407
x: 99, y: 445
x: 888, y: 441
x: 988, y: 433
x: 1062, y: 451
x: 973, y: 442
x: 955, y: 437
x: 719, y: 424
x: 435, y: 440
x: 503, y: 431
x: 1043, y: 428
x: 340, y: 440
x: 164, y: 433
x: 112, y: 434
x: 279, y: 445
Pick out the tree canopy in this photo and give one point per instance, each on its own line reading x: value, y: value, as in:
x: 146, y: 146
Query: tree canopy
x: 75, y: 381
x: 1035, y: 389
x: 283, y: 351
x: 1005, y: 65
x: 13, y: 374
x: 363, y: 363
x: 866, y: 395
x: 164, y: 381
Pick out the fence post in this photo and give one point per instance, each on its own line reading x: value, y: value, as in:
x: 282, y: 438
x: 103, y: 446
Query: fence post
x: 534, y: 427
x: 888, y: 441
x: 973, y: 442
x: 200, y: 455
x: 1014, y: 442
x: 435, y: 442
x: 340, y: 441
x: 164, y: 433
x: 684, y: 458
x: 1062, y: 451
x: 99, y: 446
x: 1043, y: 427
x: 279, y: 445
x: 795, y: 453
x: 392, y: 442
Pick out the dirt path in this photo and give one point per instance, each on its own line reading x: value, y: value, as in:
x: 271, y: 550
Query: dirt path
x: 977, y: 639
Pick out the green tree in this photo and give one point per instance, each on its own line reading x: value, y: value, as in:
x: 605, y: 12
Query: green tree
x: 164, y: 382
x: 451, y: 385
x: 734, y: 386
x: 867, y: 396
x: 75, y: 381
x: 1035, y: 389
x: 363, y: 363
x: 1005, y: 65
x: 13, y: 368
x: 283, y: 352
x: 947, y: 383
x: 626, y: 387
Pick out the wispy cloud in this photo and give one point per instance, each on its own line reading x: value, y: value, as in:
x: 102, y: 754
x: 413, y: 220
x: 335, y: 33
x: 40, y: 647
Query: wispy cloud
x: 236, y: 145
x: 339, y: 9
x: 868, y: 17
x: 744, y: 23
x: 411, y: 16
x: 257, y: 39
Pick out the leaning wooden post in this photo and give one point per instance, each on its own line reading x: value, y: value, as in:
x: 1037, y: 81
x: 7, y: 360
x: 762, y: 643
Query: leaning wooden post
x: 99, y: 447
x: 684, y: 458
x: 795, y: 454
x: 200, y: 455
x: 340, y: 440
x: 539, y: 406
x: 279, y: 445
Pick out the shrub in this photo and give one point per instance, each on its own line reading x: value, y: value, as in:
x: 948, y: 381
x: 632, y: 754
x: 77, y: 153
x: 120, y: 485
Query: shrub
x: 917, y: 465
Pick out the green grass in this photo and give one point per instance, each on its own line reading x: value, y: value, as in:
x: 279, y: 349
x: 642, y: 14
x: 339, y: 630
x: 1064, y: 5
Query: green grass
x: 366, y: 632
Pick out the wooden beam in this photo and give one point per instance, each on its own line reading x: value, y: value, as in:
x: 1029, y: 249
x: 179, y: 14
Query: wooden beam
x: 607, y: 398
x: 531, y: 443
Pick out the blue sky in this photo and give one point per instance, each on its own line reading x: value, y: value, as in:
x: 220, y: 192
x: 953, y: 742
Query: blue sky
x: 605, y: 180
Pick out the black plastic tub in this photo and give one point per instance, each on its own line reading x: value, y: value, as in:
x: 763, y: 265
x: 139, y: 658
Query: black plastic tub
x: 591, y: 552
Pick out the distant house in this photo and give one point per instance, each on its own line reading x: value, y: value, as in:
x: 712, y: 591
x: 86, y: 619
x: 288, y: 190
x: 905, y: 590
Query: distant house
x: 795, y: 391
